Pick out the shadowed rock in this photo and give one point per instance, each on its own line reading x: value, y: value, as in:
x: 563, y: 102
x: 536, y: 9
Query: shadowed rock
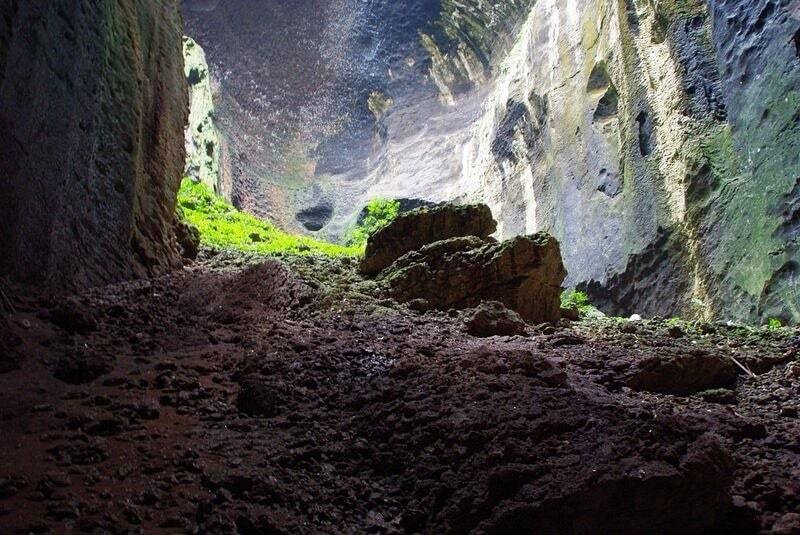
x: 414, y: 229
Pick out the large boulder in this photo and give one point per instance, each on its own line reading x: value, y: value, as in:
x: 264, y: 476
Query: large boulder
x: 525, y: 274
x: 412, y: 230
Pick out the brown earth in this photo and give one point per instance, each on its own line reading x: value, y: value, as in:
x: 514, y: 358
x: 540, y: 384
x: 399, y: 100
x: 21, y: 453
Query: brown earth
x: 239, y: 396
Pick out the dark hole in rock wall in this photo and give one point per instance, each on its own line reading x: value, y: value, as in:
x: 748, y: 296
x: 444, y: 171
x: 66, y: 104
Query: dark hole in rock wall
x: 609, y: 182
x: 608, y: 107
x: 796, y: 41
x: 645, y: 133
x: 762, y: 19
x: 517, y: 117
x: 196, y: 75
x: 631, y: 15
x: 598, y: 79
x: 315, y: 217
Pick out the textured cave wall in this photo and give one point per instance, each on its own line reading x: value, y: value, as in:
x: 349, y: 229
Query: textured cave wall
x: 656, y: 139
x: 92, y: 109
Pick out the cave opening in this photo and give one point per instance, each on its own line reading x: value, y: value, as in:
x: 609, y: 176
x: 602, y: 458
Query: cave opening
x: 399, y: 266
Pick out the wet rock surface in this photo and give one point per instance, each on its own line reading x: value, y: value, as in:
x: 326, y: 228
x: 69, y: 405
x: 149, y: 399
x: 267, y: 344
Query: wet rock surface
x: 243, y: 396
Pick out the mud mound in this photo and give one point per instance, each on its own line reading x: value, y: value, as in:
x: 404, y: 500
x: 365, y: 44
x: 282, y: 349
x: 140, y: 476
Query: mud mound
x: 268, y: 288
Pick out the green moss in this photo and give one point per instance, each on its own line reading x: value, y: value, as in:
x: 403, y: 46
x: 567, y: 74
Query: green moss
x: 682, y: 8
x: 380, y: 212
x: 223, y: 226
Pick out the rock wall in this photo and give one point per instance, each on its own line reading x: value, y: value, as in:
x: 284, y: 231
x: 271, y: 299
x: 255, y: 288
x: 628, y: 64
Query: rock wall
x: 655, y: 139
x: 202, y: 141
x: 92, y: 110
x: 658, y: 142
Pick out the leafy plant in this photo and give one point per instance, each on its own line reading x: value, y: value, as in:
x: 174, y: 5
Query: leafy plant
x: 222, y: 225
x: 573, y: 299
x: 774, y: 324
x: 379, y: 213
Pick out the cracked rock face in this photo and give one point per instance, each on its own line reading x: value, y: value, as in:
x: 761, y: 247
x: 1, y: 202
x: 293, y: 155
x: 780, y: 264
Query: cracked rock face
x: 654, y: 140
x: 92, y: 109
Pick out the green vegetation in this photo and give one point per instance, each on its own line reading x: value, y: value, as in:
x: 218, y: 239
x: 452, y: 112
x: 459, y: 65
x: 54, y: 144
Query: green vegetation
x: 774, y: 324
x: 573, y: 299
x: 223, y: 226
x: 380, y: 212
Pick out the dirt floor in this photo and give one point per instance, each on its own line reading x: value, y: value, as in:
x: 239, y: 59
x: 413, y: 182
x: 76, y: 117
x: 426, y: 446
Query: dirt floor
x: 239, y: 396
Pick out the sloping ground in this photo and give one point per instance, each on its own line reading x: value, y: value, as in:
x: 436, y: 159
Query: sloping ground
x: 234, y: 396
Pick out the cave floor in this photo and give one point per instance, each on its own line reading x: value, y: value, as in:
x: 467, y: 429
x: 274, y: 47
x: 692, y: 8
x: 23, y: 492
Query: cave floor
x: 237, y: 396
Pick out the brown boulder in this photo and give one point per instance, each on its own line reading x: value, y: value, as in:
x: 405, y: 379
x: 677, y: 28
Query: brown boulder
x: 492, y: 318
x: 524, y: 274
x: 412, y: 230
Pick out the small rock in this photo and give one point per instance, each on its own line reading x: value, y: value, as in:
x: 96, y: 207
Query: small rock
x: 788, y: 524
x: 635, y: 317
x: 571, y: 313
x: 675, y: 331
x: 723, y: 396
x: 540, y: 368
x: 629, y: 328
x: 492, y: 318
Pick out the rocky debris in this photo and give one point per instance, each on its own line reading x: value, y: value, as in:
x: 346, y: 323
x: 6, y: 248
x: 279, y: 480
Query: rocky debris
x: 525, y: 274
x: 412, y: 230
x: 259, y: 397
x: 240, y: 400
x: 684, y: 374
x: 492, y: 318
x: 669, y: 497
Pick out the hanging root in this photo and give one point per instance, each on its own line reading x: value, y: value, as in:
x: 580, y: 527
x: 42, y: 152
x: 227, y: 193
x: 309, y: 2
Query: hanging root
x: 742, y: 366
